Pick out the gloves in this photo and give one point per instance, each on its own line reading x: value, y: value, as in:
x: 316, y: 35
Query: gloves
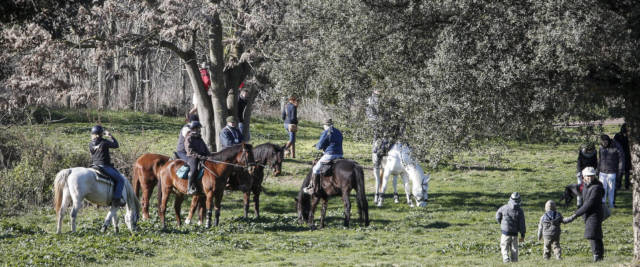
x: 569, y: 219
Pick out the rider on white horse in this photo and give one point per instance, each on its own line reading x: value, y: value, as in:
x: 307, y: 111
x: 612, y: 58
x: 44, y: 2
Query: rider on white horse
x: 331, y: 143
x: 99, y: 148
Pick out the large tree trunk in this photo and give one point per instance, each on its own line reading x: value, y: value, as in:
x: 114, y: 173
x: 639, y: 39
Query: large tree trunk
x: 205, y: 109
x: 218, y: 90
x: 632, y: 118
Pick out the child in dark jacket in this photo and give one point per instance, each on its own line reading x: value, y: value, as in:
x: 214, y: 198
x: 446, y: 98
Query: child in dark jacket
x: 549, y: 229
x: 511, y: 220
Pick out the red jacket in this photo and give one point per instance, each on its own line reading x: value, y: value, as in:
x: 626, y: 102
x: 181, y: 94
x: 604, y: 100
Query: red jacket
x: 205, y: 79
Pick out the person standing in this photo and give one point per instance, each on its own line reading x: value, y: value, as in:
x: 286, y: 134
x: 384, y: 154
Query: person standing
x: 511, y: 220
x: 549, y: 230
x: 196, y: 151
x: 230, y: 135
x: 290, y: 118
x: 586, y: 158
x: 331, y: 144
x: 242, y: 108
x: 593, y: 213
x: 622, y: 138
x: 99, y: 149
x: 610, y: 164
x: 204, y: 74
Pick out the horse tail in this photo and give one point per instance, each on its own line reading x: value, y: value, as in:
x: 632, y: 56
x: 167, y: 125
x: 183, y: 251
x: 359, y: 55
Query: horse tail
x: 58, y: 188
x: 361, y: 196
x: 135, y: 180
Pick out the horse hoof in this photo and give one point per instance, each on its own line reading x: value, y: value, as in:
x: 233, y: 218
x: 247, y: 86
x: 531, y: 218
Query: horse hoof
x: 396, y: 201
x: 103, y: 229
x: 187, y: 221
x: 379, y: 204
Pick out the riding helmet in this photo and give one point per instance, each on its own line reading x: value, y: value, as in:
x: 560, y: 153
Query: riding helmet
x: 194, y: 125
x: 97, y: 129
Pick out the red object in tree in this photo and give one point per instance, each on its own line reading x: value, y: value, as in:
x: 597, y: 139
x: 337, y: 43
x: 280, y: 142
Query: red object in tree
x: 241, y: 85
x: 205, y: 79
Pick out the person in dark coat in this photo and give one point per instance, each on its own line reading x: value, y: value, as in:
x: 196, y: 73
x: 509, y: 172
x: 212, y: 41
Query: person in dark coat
x: 610, y: 164
x: 181, y: 152
x: 99, y: 149
x: 511, y: 220
x: 549, y: 229
x: 622, y: 138
x: 230, y: 134
x: 592, y: 211
x: 586, y: 158
x: 242, y: 110
x: 196, y: 151
x: 290, y: 117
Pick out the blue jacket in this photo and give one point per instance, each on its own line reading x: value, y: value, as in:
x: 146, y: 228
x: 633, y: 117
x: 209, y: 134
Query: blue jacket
x: 330, y: 142
x: 230, y: 136
x: 290, y: 114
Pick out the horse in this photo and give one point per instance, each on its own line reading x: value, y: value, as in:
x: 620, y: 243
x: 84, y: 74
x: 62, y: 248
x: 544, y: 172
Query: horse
x: 399, y: 162
x: 145, y: 176
x: 346, y: 175
x: 571, y: 191
x: 73, y: 185
x: 265, y: 155
x: 217, y: 169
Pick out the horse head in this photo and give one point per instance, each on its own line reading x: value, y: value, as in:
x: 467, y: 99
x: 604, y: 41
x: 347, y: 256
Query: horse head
x: 133, y: 209
x: 277, y: 157
x: 245, y: 157
x: 421, y: 201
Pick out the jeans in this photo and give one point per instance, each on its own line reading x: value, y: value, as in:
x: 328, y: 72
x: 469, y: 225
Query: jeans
x: 292, y: 135
x: 247, y: 136
x: 324, y: 158
x: 608, y: 181
x: 117, y: 178
x: 509, y: 248
x: 182, y: 156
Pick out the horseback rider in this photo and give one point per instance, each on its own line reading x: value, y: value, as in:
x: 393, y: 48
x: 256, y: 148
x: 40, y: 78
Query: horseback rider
x: 331, y: 143
x: 230, y: 134
x: 196, y: 151
x: 99, y: 148
x: 180, y: 150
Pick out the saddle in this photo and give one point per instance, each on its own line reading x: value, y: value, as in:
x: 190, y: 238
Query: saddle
x: 326, y: 167
x: 101, y: 176
x: 183, y: 172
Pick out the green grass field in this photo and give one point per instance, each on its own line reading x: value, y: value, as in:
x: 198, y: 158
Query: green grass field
x: 456, y: 228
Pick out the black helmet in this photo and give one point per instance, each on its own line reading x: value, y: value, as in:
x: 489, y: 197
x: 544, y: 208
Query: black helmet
x: 193, y: 117
x: 97, y: 129
x: 194, y: 125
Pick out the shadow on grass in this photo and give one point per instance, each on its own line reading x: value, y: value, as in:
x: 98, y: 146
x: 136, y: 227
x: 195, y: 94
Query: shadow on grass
x: 493, y: 168
x: 483, y: 201
x: 441, y: 225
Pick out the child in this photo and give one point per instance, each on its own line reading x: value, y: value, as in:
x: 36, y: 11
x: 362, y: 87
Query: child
x: 549, y: 228
x: 511, y: 220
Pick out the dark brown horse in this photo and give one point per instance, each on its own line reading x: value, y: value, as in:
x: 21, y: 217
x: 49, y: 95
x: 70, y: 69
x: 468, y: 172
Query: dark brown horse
x: 217, y: 170
x: 266, y: 155
x: 145, y: 176
x: 346, y: 175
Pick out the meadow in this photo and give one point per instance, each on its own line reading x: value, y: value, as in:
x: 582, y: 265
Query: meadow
x: 457, y: 227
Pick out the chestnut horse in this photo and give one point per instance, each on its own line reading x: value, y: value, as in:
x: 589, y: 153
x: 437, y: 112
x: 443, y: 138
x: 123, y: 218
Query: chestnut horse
x: 145, y: 177
x: 217, y: 169
x: 346, y: 175
x: 266, y: 155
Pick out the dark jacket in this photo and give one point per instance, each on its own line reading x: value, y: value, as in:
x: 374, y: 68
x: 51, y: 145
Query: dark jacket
x: 592, y: 210
x: 623, y: 142
x: 611, y: 159
x: 330, y: 142
x: 511, y: 219
x: 242, y: 106
x: 230, y: 136
x: 180, y: 147
x: 587, y: 160
x: 290, y: 114
x: 99, y: 149
x: 195, y: 146
x: 550, y: 224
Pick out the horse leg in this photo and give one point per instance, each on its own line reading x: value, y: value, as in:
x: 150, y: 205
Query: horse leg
x: 256, y: 203
x: 163, y: 205
x: 395, y: 189
x: 177, y: 204
x: 323, y: 212
x: 114, y: 219
x: 107, y: 220
x: 217, y: 205
x: 63, y: 208
x: 209, y: 205
x: 201, y: 206
x: 347, y: 207
x: 147, y: 191
x: 246, y: 196
x: 77, y: 205
x: 314, y: 204
x: 407, y: 189
x: 376, y: 177
x: 385, y: 179
x: 192, y: 209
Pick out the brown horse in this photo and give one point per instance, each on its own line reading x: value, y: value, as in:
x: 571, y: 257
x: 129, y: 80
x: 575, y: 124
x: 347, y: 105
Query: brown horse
x: 145, y: 176
x: 347, y: 175
x: 266, y: 155
x: 216, y: 173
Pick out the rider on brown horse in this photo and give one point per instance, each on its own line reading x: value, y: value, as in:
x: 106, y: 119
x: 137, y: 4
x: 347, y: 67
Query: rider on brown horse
x: 196, y: 150
x: 181, y: 152
x: 331, y: 143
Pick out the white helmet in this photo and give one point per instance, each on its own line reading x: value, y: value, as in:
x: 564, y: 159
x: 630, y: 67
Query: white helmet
x: 589, y: 171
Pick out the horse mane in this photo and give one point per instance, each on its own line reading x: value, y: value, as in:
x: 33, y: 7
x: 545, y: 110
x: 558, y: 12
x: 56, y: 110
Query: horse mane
x: 228, y: 153
x: 264, y: 152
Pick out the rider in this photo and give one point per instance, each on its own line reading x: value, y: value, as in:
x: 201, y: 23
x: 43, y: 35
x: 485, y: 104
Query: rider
x: 196, y: 151
x: 99, y: 148
x: 180, y: 150
x: 230, y: 135
x: 331, y: 143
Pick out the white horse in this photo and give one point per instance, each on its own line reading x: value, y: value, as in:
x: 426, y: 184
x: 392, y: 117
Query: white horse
x: 399, y: 162
x: 76, y: 184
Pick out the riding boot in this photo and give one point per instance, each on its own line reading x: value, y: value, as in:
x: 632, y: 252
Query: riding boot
x: 293, y: 150
x: 286, y: 149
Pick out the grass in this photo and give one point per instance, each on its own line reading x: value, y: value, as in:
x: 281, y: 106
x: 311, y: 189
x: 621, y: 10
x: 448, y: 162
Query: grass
x: 456, y: 228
